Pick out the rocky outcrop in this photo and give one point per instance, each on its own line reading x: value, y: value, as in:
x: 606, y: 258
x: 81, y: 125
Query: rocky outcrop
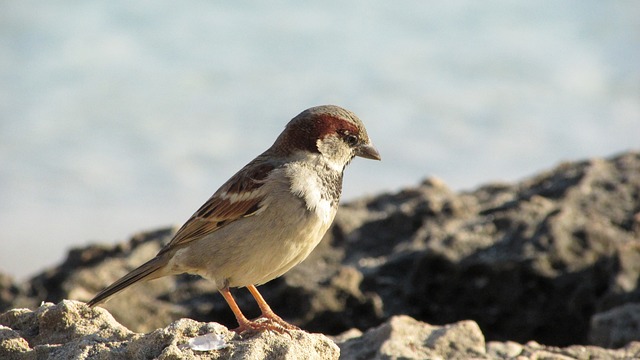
x: 402, y: 337
x: 72, y: 330
x: 530, y: 261
x: 405, y: 338
x: 552, y: 259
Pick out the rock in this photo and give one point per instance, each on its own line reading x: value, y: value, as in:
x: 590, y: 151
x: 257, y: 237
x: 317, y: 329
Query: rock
x: 72, y: 330
x: 402, y: 337
x: 13, y: 294
x: 529, y: 261
x: 616, y: 327
x: 533, y: 350
x: 534, y: 260
x: 12, y: 345
x: 8, y: 290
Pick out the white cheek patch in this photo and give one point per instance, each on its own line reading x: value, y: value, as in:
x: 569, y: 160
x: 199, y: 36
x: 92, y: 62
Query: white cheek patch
x: 335, y: 165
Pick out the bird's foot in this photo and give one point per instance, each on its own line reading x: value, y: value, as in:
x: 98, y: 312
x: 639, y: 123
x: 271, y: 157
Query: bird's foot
x: 264, y: 323
x: 272, y: 317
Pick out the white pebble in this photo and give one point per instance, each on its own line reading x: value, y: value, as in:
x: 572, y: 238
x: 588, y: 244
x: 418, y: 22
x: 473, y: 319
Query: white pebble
x: 207, y: 342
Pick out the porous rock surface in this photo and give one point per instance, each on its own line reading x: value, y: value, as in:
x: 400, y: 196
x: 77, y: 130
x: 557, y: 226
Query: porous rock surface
x: 72, y: 330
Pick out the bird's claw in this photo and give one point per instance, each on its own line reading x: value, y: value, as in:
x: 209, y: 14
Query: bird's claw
x: 264, y: 323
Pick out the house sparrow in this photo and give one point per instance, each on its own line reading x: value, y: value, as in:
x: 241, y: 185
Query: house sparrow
x: 268, y: 217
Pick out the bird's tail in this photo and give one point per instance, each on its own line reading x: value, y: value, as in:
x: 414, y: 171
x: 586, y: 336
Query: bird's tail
x: 150, y: 270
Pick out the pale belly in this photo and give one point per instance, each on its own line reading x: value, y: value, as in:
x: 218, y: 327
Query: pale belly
x: 257, y: 249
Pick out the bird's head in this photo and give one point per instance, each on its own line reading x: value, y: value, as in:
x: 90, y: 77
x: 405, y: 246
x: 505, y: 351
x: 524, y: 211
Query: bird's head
x: 329, y: 130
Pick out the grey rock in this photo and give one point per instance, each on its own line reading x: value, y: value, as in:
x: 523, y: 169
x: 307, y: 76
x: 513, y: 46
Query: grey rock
x: 529, y: 261
x: 616, y: 327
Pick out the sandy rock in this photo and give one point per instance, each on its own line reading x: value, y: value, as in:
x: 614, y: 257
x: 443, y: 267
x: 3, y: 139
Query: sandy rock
x: 11, y: 343
x: 535, y: 351
x: 72, y: 330
x: 402, y: 337
x: 405, y: 338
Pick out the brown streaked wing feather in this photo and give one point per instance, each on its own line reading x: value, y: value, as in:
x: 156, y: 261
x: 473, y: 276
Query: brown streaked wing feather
x: 222, y: 208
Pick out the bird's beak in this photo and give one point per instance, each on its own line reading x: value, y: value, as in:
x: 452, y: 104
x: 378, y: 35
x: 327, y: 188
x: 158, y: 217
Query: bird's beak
x: 367, y: 151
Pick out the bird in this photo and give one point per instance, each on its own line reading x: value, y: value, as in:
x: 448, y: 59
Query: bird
x: 266, y: 218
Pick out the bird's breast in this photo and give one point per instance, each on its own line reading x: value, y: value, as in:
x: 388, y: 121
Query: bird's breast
x: 318, y: 186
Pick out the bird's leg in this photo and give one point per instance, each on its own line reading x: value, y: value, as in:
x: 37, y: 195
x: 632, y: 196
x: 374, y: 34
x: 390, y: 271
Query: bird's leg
x: 267, y: 313
x: 243, y: 323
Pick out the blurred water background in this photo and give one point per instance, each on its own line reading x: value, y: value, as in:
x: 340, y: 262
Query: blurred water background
x: 120, y: 116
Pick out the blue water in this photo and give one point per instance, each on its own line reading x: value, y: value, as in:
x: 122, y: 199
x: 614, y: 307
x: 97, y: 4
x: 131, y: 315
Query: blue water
x: 120, y: 116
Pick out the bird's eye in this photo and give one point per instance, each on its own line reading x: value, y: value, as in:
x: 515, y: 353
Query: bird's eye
x: 351, y: 139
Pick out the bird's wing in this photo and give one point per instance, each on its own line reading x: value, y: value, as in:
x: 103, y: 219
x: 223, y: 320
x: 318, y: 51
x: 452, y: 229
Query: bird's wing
x: 239, y: 197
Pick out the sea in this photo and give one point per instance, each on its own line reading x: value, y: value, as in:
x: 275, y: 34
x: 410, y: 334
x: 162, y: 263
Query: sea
x: 118, y: 116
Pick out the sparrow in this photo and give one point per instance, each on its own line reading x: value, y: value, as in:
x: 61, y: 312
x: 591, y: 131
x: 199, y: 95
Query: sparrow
x: 266, y: 218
